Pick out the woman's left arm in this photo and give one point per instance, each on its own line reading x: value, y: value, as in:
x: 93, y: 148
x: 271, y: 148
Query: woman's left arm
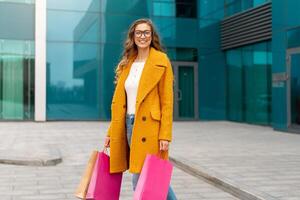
x: 166, y: 102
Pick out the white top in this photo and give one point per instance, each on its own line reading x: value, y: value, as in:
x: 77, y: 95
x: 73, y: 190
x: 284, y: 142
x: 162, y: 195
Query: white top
x: 132, y: 83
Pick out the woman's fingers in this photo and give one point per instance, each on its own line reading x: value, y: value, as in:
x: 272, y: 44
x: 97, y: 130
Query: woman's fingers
x: 107, y: 141
x: 164, y: 145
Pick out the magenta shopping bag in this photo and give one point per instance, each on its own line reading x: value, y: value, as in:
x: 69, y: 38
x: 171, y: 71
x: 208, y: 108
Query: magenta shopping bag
x: 103, y: 185
x: 154, y: 180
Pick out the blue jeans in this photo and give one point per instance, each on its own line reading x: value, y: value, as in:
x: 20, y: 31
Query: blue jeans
x: 135, y: 176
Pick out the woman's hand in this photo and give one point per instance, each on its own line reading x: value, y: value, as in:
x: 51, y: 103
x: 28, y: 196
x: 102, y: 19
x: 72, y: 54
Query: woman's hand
x: 163, y: 145
x: 106, y: 141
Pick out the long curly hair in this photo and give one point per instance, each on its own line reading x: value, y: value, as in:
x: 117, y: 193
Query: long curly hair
x: 130, y: 48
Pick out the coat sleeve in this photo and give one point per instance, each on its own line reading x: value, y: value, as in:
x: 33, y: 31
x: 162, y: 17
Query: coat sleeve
x: 166, y: 102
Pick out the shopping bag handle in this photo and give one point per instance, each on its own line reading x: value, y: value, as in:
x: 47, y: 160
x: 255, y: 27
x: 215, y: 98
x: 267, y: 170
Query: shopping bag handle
x: 160, y: 154
x: 105, y: 150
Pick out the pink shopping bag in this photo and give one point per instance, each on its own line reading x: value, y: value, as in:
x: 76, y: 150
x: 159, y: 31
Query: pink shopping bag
x: 103, y: 184
x: 154, y: 179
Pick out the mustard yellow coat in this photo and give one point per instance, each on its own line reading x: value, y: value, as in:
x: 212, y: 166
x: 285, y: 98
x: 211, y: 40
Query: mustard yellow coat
x: 153, y: 114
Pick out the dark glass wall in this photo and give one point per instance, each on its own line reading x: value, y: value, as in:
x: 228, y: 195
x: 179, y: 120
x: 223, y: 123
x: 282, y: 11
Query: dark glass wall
x: 16, y: 60
x: 249, y: 83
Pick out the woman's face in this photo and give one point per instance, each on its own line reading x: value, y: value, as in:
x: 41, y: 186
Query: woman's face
x: 142, y: 35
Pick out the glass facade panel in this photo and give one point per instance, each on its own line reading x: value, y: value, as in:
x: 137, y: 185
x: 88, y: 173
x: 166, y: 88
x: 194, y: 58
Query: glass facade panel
x: 235, y: 86
x: 164, y: 9
x: 235, y: 6
x: 175, y: 8
x: 76, y: 5
x: 16, y: 60
x: 295, y: 89
x: 19, y: 1
x: 293, y: 38
x: 16, y: 80
x: 249, y: 84
x: 73, y: 26
x: 211, y: 67
x: 183, y: 54
x: 72, y: 81
x: 119, y: 7
x: 18, y: 26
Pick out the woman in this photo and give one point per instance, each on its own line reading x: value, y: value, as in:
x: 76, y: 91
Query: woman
x: 143, y: 101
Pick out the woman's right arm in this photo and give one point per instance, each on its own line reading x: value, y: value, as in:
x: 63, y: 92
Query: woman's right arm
x: 107, y: 137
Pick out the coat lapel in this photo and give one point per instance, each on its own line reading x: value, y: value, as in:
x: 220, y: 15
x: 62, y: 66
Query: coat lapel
x: 151, y: 74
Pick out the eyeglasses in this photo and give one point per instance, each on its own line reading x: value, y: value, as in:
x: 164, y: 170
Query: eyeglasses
x: 146, y: 33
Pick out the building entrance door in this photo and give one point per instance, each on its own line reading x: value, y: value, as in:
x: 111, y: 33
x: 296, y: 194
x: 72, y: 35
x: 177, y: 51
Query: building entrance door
x: 185, y: 90
x: 293, y: 87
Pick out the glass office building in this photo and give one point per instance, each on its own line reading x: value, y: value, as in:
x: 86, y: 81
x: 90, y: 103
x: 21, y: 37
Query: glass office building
x: 235, y: 60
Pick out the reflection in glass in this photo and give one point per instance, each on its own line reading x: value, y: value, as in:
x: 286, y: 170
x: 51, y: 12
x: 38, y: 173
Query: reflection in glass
x: 249, y: 84
x: 16, y: 80
x: 72, y: 87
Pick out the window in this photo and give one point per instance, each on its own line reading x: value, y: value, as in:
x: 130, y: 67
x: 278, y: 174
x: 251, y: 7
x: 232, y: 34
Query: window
x: 175, y: 8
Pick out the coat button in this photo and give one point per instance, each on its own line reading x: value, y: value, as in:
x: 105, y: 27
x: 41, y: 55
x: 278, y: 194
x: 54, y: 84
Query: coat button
x: 143, y: 139
x: 144, y: 118
x: 124, y: 106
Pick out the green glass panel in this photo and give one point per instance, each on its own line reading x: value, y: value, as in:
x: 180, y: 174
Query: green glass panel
x: 295, y: 89
x: 16, y: 80
x: 186, y: 89
x: 235, y: 85
x: 257, y: 84
x: 249, y: 84
x: 12, y: 84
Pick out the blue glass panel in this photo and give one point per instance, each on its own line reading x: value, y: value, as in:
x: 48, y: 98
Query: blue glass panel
x: 212, y: 105
x: 257, y: 84
x: 293, y: 38
x: 86, y: 5
x: 235, y: 6
x: 72, y: 81
x: 177, y: 32
x: 259, y: 2
x: 87, y: 27
x: 164, y: 9
x: 141, y: 8
x: 208, y: 9
x: 249, y: 84
x: 114, y: 28
x: 73, y: 26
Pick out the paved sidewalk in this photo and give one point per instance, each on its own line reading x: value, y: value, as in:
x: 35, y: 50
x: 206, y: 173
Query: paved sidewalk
x: 257, y: 158
x: 75, y: 141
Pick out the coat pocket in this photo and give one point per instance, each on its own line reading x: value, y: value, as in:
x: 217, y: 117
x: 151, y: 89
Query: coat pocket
x: 156, y: 114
